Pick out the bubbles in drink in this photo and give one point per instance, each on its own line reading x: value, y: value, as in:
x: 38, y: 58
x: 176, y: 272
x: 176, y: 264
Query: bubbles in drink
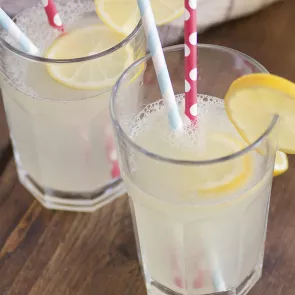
x: 194, y: 137
x: 34, y: 17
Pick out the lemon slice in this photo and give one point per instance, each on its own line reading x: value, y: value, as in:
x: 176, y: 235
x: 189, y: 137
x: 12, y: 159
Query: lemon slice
x: 281, y: 164
x: 123, y: 15
x: 228, y: 175
x: 251, y: 103
x: 94, y: 74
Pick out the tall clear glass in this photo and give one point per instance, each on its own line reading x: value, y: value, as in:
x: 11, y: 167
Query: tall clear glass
x: 200, y: 221
x: 62, y: 135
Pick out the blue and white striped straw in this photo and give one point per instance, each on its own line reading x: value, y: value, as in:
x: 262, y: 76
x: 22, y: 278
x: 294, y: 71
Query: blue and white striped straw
x: 160, y: 65
x: 13, y: 30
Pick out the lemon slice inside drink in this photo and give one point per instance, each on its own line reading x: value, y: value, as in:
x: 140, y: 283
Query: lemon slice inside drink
x: 93, y: 74
x: 251, y: 103
x: 228, y: 175
x: 123, y: 15
x: 231, y: 175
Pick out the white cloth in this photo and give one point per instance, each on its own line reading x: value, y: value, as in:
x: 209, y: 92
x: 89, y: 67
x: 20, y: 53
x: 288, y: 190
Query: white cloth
x: 211, y: 12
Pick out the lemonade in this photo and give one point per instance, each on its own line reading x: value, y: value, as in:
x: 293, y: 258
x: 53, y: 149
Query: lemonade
x: 57, y: 107
x: 205, y: 241
x: 199, y: 195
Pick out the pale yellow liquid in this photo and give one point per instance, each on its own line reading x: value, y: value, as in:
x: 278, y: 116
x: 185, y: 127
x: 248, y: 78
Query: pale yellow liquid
x: 185, y: 236
x: 61, y: 145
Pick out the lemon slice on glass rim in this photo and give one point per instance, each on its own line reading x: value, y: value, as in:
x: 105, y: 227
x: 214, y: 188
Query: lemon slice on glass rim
x: 253, y: 100
x: 123, y: 15
x: 94, y: 74
x: 251, y: 103
x: 281, y: 164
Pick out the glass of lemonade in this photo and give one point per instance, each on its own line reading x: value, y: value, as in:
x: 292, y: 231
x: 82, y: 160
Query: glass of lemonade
x: 200, y: 196
x: 57, y: 104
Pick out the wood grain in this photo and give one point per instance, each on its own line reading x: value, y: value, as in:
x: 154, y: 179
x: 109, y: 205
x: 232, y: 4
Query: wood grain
x: 46, y: 252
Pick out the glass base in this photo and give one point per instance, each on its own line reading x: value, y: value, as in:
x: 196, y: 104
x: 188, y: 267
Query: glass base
x: 155, y: 288
x: 70, y: 201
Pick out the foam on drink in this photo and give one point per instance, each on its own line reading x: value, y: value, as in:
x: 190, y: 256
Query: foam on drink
x: 193, y: 143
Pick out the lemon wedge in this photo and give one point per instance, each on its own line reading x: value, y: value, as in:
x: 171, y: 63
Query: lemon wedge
x: 281, y: 164
x: 228, y: 175
x: 123, y: 15
x: 94, y: 74
x: 253, y: 100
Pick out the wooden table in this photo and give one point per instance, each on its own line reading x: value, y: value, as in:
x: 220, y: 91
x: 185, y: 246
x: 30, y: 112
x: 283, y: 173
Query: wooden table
x: 45, y: 252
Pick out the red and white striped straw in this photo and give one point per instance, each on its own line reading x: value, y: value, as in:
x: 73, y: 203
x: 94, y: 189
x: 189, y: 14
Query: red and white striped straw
x: 112, y: 154
x: 53, y: 15
x: 191, y: 57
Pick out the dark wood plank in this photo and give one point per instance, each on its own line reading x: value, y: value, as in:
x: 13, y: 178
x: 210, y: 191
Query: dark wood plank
x: 48, y: 252
x: 265, y: 36
x: 59, y: 253
x: 5, y: 147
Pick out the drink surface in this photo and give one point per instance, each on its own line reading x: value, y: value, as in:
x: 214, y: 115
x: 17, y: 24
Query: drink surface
x: 201, y: 228
x: 213, y: 137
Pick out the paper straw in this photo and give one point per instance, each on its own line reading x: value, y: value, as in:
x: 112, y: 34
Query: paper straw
x: 160, y: 65
x: 53, y: 15
x: 13, y: 30
x: 191, y: 72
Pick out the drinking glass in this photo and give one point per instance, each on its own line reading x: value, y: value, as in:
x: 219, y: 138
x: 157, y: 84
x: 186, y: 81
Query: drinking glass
x: 62, y: 136
x: 190, y: 239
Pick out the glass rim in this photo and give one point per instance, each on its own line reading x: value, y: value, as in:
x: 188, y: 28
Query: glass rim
x: 42, y: 59
x: 155, y: 156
